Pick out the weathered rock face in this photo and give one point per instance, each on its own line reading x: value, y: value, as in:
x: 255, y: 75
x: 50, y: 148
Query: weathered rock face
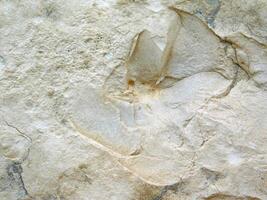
x: 133, y: 100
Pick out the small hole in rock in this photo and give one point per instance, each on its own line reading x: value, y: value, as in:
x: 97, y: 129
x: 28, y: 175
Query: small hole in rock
x: 130, y: 82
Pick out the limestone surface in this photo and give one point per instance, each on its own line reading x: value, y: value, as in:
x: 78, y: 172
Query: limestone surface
x: 133, y: 100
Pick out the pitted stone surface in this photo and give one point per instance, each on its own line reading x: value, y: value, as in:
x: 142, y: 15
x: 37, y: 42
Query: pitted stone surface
x: 133, y: 100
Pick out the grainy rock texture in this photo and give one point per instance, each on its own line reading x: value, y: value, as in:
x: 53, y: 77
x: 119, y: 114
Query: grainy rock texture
x: 133, y: 100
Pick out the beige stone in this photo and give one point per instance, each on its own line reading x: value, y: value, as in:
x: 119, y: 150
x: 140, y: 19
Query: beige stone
x: 133, y: 100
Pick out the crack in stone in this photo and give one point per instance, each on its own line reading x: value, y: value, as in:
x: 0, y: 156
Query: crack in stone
x: 29, y: 139
x: 220, y: 195
x: 20, y: 132
x: 119, y: 156
x: 212, y: 15
x: 228, y: 90
x: 14, y: 172
x: 164, y: 76
x: 245, y: 66
x: 174, y: 187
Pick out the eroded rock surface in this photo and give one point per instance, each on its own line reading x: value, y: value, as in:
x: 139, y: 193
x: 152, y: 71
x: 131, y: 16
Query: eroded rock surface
x: 133, y: 100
